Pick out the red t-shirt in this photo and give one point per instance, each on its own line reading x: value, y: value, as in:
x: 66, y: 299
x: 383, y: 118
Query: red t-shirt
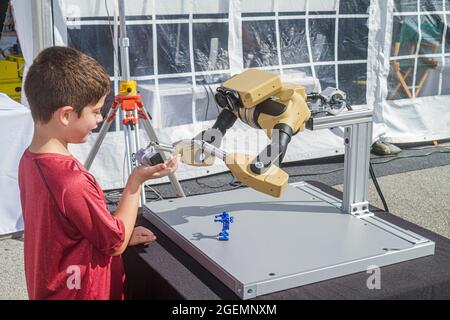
x: 69, y: 233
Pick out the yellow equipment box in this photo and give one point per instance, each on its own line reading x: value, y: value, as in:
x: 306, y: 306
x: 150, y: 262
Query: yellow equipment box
x: 11, y: 73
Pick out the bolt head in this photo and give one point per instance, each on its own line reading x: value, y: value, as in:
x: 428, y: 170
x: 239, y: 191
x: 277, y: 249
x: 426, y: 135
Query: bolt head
x: 259, y: 165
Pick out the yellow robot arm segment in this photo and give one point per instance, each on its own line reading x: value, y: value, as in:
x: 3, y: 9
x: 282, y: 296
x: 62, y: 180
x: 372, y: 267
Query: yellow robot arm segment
x: 253, y: 86
x: 272, y: 182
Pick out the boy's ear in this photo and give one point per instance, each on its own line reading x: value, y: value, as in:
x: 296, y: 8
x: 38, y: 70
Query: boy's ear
x: 63, y: 114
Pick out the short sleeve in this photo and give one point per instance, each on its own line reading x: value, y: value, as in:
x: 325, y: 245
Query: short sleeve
x: 85, y: 207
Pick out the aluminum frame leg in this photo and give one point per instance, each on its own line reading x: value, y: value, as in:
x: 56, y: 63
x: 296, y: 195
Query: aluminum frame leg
x: 357, y: 139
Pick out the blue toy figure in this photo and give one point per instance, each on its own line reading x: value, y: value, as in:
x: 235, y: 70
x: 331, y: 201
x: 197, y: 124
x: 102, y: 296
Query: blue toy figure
x: 226, y: 219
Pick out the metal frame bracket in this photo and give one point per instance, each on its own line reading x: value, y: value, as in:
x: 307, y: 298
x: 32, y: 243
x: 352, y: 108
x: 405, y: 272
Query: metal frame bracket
x: 357, y: 140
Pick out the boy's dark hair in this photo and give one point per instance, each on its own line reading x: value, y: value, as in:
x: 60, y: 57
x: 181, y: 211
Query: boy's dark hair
x: 62, y: 76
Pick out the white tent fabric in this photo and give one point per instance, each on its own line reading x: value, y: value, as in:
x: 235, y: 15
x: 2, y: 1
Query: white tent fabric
x: 16, y: 130
x: 298, y: 39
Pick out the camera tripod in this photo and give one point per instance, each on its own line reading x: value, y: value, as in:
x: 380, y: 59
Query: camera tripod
x: 130, y: 103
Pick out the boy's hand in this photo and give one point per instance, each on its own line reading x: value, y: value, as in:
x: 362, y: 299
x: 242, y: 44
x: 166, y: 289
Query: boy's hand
x: 143, y: 173
x: 141, y: 235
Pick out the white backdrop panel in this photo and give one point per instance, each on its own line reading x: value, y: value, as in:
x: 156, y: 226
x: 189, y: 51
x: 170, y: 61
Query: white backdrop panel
x: 16, y: 130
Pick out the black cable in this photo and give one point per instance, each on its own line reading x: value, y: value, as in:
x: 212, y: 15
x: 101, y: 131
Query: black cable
x: 410, y: 156
x: 428, y: 147
x: 377, y: 162
x: 372, y: 173
x: 233, y: 183
x: 332, y: 171
x: 237, y: 184
x: 153, y: 191
x: 375, y: 182
x: 113, y: 197
x: 315, y: 174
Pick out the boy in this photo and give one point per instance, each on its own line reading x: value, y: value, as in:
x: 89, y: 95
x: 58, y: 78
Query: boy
x: 72, y: 244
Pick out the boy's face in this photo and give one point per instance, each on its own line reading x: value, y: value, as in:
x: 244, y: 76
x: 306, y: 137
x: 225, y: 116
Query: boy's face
x: 81, y: 127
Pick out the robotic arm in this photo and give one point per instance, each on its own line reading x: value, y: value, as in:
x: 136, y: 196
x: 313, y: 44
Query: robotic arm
x: 262, y: 101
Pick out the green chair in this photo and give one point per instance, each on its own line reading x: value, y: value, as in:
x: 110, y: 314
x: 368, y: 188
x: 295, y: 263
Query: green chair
x: 409, y: 38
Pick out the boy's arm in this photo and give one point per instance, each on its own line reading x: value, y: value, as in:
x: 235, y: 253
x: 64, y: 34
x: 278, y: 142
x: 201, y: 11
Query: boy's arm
x: 127, y: 209
x: 129, y: 202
